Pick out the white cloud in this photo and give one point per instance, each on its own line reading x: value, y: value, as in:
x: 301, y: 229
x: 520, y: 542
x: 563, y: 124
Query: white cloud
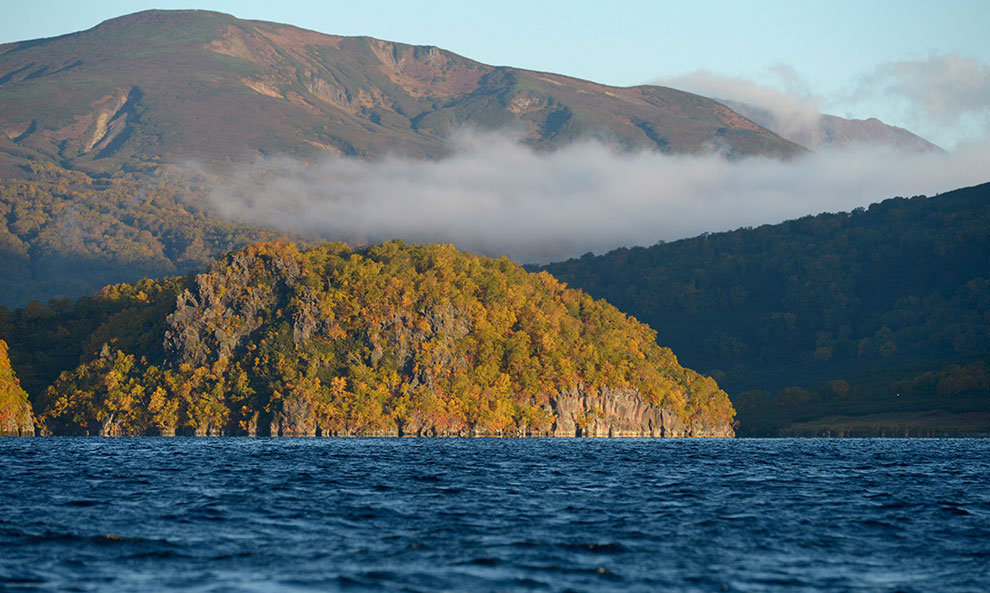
x: 945, y: 95
x: 496, y: 196
x: 793, y: 109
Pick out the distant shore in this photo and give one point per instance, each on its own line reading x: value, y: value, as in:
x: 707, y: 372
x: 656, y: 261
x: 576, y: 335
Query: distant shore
x: 932, y: 424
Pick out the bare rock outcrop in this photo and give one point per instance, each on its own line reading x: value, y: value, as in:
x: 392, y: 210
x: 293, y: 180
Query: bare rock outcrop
x: 228, y: 303
x: 621, y: 412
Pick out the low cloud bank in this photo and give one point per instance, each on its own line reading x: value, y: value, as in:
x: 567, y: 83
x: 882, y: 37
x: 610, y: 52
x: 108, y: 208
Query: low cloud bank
x: 945, y: 97
x: 942, y: 92
x: 792, y: 107
x: 498, y: 197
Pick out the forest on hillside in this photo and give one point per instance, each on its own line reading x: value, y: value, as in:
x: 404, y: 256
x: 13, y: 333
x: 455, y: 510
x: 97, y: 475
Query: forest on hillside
x: 389, y: 340
x: 64, y: 234
x: 897, y: 292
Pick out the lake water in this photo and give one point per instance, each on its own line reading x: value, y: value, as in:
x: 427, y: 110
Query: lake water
x: 88, y: 514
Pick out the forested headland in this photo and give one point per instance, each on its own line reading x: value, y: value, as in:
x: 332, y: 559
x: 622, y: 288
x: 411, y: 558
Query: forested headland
x: 391, y: 340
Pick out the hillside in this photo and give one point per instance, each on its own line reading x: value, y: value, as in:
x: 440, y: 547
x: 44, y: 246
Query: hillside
x: 880, y: 298
x: 391, y: 340
x: 64, y: 233
x: 830, y: 131
x: 91, y: 121
x: 172, y: 86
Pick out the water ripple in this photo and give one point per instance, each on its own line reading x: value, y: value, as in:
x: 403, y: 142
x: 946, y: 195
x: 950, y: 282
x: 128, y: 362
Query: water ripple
x: 494, y: 515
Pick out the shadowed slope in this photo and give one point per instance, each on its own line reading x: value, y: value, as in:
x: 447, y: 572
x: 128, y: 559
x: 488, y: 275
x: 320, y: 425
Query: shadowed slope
x: 880, y: 310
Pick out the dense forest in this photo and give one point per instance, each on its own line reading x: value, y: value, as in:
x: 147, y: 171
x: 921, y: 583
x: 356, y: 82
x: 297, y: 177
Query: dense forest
x: 66, y: 234
x: 828, y: 315
x: 927, y: 399
x: 394, y: 339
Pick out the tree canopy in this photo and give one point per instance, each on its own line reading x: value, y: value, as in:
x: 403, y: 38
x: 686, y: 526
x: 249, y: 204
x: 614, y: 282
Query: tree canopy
x: 391, y: 339
x: 871, y: 297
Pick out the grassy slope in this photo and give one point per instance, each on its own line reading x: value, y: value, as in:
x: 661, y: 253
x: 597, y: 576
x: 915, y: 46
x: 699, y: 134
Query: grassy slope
x: 177, y: 85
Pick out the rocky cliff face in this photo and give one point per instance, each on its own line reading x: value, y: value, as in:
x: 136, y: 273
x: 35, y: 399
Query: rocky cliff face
x: 614, y: 413
x: 17, y: 421
x: 622, y: 413
x: 16, y: 418
x: 226, y: 305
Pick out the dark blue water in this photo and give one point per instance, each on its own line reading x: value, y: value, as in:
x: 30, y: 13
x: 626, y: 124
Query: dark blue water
x: 494, y: 515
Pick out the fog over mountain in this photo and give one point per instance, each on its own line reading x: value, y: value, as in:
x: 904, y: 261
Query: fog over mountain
x: 944, y: 97
x: 795, y: 113
x: 496, y: 196
x: 829, y: 131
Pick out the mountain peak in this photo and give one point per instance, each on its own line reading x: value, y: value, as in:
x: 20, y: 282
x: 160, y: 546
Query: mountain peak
x: 175, y: 85
x: 158, y: 16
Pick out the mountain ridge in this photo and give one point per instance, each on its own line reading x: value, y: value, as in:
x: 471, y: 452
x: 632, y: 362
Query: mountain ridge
x: 173, y: 85
x: 831, y: 131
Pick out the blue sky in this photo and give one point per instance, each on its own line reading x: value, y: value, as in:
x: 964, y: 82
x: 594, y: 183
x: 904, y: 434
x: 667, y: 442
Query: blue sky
x: 906, y: 62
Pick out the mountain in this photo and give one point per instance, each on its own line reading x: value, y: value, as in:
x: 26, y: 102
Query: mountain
x: 829, y: 131
x: 390, y: 340
x: 171, y: 86
x: 890, y: 300
x: 89, y: 122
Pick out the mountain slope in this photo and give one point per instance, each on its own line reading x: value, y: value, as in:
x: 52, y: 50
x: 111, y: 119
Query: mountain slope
x: 830, y: 131
x: 176, y: 85
x: 873, y: 297
x: 64, y: 233
x: 394, y: 339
